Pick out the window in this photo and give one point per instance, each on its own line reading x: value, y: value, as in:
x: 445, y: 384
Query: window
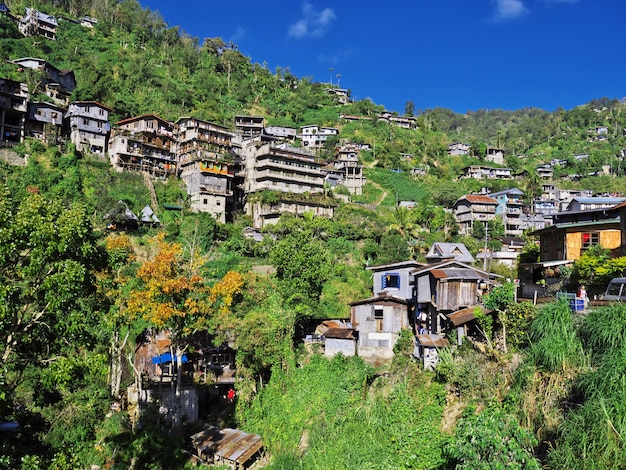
x: 205, y: 201
x: 391, y: 281
x: 590, y: 239
x: 378, y: 318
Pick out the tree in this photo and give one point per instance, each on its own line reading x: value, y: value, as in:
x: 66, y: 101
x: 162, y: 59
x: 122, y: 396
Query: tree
x: 48, y: 256
x: 173, y: 297
x: 409, y: 108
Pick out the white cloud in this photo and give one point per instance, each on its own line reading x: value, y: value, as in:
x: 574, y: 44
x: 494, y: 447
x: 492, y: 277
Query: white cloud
x: 238, y: 35
x: 313, y: 23
x: 509, y: 9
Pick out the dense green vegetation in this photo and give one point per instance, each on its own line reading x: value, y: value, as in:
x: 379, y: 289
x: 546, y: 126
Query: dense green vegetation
x: 545, y: 388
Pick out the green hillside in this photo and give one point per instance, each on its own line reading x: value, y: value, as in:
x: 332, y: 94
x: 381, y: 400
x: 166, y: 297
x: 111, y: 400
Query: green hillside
x: 544, y: 390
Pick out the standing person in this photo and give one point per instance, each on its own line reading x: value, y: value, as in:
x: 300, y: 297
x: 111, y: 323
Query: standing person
x: 582, y: 294
x: 231, y: 395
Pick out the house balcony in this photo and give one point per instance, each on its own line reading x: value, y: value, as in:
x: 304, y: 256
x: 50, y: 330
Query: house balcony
x: 215, y: 190
x: 13, y: 103
x: 289, y: 168
x: 290, y: 178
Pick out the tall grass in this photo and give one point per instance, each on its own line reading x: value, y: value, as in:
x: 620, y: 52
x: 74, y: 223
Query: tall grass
x: 604, y: 329
x: 594, y: 435
x: 555, y: 345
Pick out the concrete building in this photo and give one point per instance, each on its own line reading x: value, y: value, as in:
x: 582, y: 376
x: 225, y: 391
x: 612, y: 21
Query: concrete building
x: 144, y: 143
x: 206, y: 165
x: 89, y: 126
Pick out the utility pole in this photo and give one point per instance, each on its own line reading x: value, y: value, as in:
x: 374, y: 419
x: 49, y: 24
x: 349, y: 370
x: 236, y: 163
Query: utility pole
x: 485, y: 249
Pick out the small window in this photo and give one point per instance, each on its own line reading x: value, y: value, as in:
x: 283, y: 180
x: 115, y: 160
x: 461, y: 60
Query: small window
x: 590, y: 239
x: 205, y: 201
x: 391, y: 281
x: 378, y: 318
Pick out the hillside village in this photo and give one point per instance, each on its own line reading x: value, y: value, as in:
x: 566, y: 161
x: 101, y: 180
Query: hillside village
x: 265, y: 171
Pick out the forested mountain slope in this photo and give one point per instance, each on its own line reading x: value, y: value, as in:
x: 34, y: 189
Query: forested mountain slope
x: 75, y: 298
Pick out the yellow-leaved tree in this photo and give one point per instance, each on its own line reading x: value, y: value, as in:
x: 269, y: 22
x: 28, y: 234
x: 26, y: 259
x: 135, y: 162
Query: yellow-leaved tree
x: 173, y: 296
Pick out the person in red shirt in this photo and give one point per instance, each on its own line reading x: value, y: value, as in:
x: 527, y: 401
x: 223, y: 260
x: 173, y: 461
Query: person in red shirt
x: 231, y: 395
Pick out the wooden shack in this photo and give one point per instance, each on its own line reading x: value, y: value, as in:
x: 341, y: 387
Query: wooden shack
x: 231, y: 447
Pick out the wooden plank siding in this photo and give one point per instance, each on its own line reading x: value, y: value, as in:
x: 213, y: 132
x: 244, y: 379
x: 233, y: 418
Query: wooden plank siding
x: 610, y: 239
x: 452, y: 295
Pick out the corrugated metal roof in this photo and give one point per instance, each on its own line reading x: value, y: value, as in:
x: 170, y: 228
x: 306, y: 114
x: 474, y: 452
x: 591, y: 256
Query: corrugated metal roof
x: 481, y: 199
x: 431, y: 340
x: 230, y: 444
x: 457, y: 273
x: 460, y: 317
x: 339, y: 333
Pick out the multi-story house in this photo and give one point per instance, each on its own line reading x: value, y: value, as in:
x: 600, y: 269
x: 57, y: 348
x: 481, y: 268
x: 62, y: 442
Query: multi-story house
x: 341, y: 95
x: 249, y: 126
x: 474, y: 208
x: 89, y: 126
x: 144, y: 143
x: 487, y: 172
x: 458, y: 148
x: 406, y: 122
x: 206, y: 165
x: 55, y: 83
x: 282, y: 169
x: 581, y: 204
x: 545, y: 171
x: 283, y: 133
x: 36, y: 23
x: 314, y: 136
x: 510, y: 209
x: 13, y: 109
x: 346, y: 169
x: 44, y: 121
x: 495, y: 155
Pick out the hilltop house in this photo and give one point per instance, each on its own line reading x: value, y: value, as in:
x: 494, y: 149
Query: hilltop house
x: 35, y: 23
x: 458, y: 148
x: 563, y: 242
x: 495, y: 155
x: 487, y: 172
x: 56, y: 84
x: 249, y: 126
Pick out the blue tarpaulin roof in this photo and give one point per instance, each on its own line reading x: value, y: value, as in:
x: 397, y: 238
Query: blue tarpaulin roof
x: 167, y: 357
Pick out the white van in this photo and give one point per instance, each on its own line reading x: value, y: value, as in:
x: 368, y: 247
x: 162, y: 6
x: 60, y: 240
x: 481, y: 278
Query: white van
x: 616, y: 290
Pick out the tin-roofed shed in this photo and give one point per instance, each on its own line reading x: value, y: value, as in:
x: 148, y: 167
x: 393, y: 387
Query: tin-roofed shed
x: 339, y: 340
x: 231, y: 447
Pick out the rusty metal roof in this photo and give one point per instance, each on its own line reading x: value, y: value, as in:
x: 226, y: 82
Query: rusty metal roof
x: 339, y: 333
x: 431, y: 340
x: 229, y: 444
x: 458, y: 273
x: 480, y: 199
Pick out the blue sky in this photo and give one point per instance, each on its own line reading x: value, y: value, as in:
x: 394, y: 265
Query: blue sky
x: 456, y: 54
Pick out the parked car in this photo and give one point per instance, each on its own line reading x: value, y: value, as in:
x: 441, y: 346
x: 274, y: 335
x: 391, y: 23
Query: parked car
x: 616, y: 290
